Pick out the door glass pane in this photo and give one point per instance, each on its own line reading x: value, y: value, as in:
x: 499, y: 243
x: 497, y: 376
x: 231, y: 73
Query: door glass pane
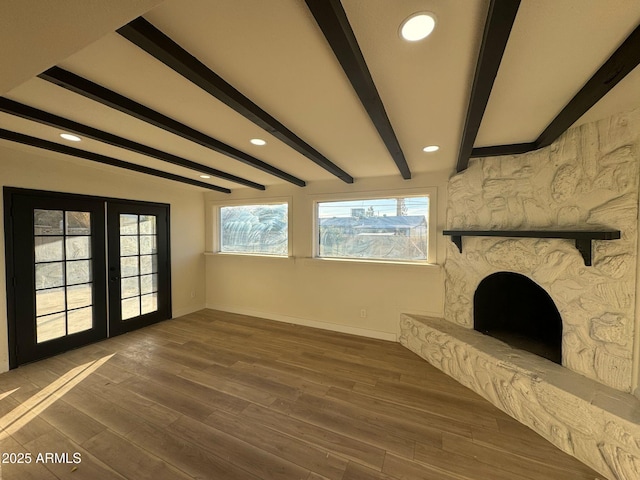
x: 50, y: 327
x: 147, y: 244
x: 129, y: 287
x: 47, y: 222
x: 49, y: 275
x: 148, y: 283
x: 79, y: 295
x: 80, y: 320
x: 128, y: 266
x: 128, y: 246
x: 49, y: 249
x: 147, y: 225
x: 149, y: 303
x: 78, y: 271
x: 78, y: 247
x: 78, y: 223
x: 148, y: 264
x: 128, y: 224
x: 49, y: 301
x: 130, y: 308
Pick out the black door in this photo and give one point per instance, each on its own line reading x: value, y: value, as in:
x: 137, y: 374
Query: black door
x: 81, y: 269
x: 59, y: 278
x: 139, y: 281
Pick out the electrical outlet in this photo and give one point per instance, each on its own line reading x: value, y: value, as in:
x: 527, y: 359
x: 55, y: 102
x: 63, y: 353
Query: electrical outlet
x: 193, y: 294
x: 363, y: 313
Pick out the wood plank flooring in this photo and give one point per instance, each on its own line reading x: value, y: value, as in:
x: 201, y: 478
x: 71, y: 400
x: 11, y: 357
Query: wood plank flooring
x: 214, y: 395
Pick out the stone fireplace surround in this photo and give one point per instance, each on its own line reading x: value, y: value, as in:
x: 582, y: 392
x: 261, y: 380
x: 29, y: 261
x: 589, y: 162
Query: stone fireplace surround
x: 587, y: 179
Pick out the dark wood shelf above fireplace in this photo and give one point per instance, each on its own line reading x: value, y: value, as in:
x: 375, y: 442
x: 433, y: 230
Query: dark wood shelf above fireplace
x: 583, y: 238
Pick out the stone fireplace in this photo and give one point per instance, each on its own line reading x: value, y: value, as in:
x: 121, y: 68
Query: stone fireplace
x: 586, y: 180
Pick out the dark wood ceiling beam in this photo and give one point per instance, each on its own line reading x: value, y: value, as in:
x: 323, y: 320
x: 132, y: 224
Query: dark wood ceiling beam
x: 146, y: 36
x: 623, y: 61
x: 333, y: 22
x: 35, y: 115
x: 500, y: 18
x: 107, y: 97
x: 495, y: 151
x: 95, y: 157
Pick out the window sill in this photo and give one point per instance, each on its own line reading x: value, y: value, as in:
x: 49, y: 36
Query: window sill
x: 246, y: 255
x: 328, y: 261
x: 384, y: 263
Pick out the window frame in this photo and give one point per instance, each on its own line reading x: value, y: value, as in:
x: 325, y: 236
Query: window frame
x: 216, y: 239
x: 430, y: 192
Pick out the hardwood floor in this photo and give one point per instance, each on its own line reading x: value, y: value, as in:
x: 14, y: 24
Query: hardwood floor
x: 214, y: 395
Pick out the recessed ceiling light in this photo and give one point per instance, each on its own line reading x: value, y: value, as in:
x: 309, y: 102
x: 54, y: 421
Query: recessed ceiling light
x: 205, y: 176
x: 431, y: 148
x: 418, y: 26
x: 258, y: 141
x: 70, y: 137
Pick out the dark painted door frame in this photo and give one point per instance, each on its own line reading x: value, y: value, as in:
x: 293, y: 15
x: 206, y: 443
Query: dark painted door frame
x: 11, y: 194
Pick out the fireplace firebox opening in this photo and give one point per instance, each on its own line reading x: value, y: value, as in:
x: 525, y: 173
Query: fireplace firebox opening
x: 513, y: 308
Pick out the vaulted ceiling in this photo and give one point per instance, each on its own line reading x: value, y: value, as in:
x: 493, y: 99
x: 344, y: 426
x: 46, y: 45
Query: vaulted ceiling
x: 329, y: 85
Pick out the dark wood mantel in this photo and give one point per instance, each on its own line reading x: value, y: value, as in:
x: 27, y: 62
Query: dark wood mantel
x: 583, y: 238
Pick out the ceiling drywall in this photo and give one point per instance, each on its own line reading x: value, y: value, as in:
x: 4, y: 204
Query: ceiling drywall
x: 36, y: 34
x: 274, y: 53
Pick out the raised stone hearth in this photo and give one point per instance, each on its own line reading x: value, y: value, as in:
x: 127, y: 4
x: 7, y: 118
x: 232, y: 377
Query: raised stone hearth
x: 597, y: 424
x: 586, y: 180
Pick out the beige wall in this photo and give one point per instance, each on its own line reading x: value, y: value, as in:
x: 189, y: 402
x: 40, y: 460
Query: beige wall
x: 326, y: 293
x: 26, y: 167
x: 635, y: 386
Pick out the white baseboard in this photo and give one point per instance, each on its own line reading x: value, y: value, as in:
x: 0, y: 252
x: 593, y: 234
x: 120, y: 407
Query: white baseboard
x: 179, y: 312
x: 335, y: 327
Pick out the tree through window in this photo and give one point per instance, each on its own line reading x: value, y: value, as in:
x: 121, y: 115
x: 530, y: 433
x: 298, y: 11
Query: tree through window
x: 257, y: 229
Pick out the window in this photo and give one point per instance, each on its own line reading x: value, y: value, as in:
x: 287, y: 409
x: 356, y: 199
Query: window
x: 255, y: 229
x: 387, y: 228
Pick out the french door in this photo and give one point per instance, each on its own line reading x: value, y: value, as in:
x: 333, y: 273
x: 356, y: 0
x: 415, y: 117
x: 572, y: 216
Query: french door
x: 81, y: 269
x: 139, y: 282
